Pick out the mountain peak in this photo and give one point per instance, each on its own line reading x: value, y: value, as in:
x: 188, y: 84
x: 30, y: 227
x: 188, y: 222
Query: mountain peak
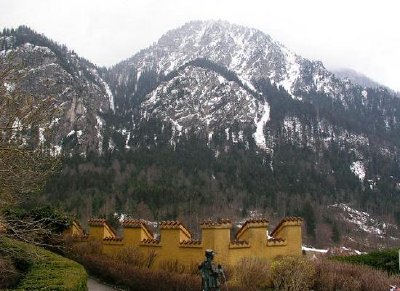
x: 248, y: 52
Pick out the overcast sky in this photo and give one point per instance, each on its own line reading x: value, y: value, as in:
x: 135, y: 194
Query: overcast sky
x: 362, y: 35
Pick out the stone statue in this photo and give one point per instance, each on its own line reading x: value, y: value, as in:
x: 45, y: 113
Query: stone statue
x: 210, y: 274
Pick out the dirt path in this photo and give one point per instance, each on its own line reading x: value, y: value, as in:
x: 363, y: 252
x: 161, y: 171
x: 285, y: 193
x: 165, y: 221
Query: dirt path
x: 94, y: 285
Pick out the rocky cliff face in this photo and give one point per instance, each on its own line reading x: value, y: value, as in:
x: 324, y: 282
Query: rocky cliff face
x: 43, y: 69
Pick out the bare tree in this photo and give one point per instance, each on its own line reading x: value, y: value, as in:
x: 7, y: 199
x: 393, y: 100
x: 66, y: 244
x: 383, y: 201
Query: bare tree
x: 25, y: 163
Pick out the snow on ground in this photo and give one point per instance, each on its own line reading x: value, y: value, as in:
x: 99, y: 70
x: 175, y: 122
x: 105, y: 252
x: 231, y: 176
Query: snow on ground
x: 358, y: 169
x: 72, y: 132
x: 99, y: 126
x: 364, y: 93
x: 9, y: 87
x: 109, y: 94
x: 56, y: 150
x: 41, y: 135
x: 259, y: 136
x: 361, y: 219
x: 312, y: 249
x: 292, y: 71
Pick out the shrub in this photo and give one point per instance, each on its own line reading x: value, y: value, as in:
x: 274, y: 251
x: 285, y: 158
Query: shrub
x: 132, y: 256
x: 91, y: 247
x: 138, y: 279
x: 386, y: 260
x: 45, y: 270
x: 251, y: 273
x: 173, y: 266
x: 9, y: 275
x: 292, y: 273
x: 334, y: 275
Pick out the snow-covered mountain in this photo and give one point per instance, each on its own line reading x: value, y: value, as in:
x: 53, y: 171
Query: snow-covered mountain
x: 223, y: 111
x: 250, y: 53
x: 189, y: 63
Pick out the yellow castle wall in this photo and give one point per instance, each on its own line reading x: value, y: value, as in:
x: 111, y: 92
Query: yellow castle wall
x: 97, y: 232
x: 190, y: 255
x: 217, y: 239
x: 172, y: 245
x: 291, y: 231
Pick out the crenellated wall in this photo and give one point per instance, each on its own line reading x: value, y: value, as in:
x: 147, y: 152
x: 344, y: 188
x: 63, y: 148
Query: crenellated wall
x: 176, y: 243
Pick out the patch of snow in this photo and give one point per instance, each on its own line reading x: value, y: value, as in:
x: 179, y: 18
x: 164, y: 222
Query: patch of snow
x: 312, y: 249
x: 110, y: 95
x: 358, y: 169
x: 227, y: 133
x: 41, y: 67
x: 210, y: 135
x: 364, y: 93
x: 128, y: 137
x: 41, y: 135
x: 99, y: 127
x: 292, y: 71
x: 71, y: 133
x: 259, y: 136
x: 56, y: 150
x: 10, y: 87
x: 361, y: 219
x: 54, y: 122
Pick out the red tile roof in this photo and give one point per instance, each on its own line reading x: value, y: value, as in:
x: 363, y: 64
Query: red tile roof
x: 240, y: 242
x: 218, y: 222
x: 170, y: 224
x: 117, y: 239
x: 137, y: 223
x: 97, y: 222
x: 102, y: 222
x: 285, y: 220
x: 150, y: 241
x: 190, y: 243
x: 276, y: 239
x: 251, y: 222
x: 175, y: 224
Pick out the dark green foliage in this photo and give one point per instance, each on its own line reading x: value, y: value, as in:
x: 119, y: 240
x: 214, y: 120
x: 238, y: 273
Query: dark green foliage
x: 43, y: 269
x: 386, y: 260
x: 335, y: 233
x: 309, y: 217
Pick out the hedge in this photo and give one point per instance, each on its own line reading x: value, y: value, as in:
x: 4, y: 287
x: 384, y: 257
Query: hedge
x: 44, y: 269
x: 385, y: 260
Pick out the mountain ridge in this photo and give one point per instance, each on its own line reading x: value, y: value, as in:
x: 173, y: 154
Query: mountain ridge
x: 218, y: 116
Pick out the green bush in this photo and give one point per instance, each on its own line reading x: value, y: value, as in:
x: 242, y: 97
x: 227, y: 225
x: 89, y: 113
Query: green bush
x: 386, y: 260
x: 44, y: 270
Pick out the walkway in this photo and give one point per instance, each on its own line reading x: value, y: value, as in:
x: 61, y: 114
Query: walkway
x: 94, y: 285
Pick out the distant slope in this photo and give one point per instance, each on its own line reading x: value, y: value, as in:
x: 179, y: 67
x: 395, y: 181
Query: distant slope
x: 356, y: 78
